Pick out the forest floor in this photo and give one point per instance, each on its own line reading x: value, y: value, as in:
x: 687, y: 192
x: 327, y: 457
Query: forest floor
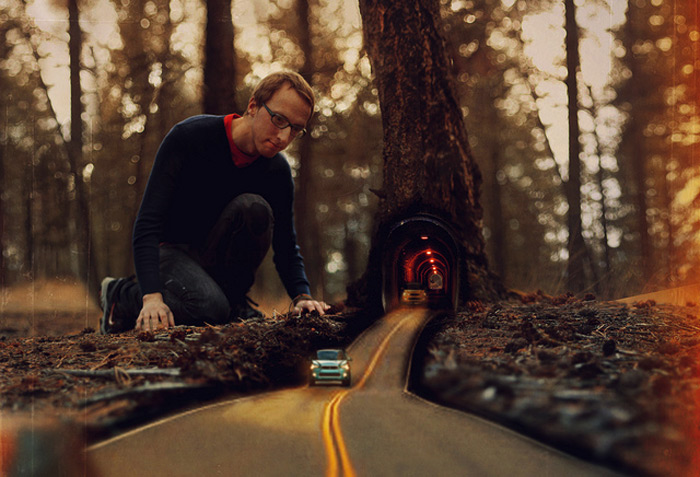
x: 612, y: 383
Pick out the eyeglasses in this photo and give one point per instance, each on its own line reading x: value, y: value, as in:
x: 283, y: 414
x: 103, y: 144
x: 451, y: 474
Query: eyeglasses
x: 282, y: 123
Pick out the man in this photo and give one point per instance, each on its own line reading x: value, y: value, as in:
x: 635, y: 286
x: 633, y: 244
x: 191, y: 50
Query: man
x: 219, y: 194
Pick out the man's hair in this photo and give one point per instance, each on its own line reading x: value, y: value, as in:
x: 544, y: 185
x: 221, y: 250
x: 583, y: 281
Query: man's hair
x: 269, y: 85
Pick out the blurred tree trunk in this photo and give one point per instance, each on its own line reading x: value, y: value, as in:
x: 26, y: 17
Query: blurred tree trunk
x: 666, y: 193
x: 351, y: 252
x: 605, y: 280
x: 305, y: 206
x: 4, y: 120
x: 604, y: 283
x: 87, y: 267
x: 28, y: 196
x: 494, y: 196
x: 428, y: 164
x: 219, y: 95
x: 633, y: 147
x: 576, y: 246
x: 3, y: 274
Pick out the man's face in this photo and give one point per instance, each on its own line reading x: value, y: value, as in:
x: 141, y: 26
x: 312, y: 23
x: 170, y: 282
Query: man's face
x: 268, y: 138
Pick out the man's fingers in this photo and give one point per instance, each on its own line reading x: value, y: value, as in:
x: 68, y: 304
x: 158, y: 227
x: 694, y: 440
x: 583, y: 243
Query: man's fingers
x: 311, y: 305
x: 153, y: 318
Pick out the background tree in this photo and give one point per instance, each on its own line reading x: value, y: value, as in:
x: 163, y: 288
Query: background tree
x: 219, y: 88
x: 576, y: 248
x: 307, y: 224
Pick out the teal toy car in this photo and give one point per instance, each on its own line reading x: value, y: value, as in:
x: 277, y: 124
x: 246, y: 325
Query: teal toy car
x: 331, y: 365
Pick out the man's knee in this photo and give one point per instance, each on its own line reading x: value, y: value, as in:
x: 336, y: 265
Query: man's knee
x: 196, y: 304
x: 254, y: 210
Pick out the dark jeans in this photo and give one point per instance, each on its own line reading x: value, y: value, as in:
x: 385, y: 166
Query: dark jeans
x: 208, y: 284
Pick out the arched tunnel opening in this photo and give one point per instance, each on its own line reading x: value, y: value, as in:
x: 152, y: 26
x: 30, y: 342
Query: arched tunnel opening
x: 420, y: 264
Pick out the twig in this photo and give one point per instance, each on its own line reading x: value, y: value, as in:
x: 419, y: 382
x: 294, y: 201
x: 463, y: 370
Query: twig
x: 90, y: 373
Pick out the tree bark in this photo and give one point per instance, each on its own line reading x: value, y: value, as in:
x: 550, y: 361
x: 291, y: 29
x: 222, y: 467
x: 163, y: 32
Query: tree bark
x: 428, y: 165
x: 219, y: 96
x: 576, y: 246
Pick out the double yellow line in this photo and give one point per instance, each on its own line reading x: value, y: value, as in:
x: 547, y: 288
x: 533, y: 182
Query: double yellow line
x: 338, y: 459
x: 333, y: 440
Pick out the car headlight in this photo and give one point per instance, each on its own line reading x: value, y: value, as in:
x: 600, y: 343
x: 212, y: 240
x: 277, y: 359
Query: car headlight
x: 314, y: 366
x: 345, y: 366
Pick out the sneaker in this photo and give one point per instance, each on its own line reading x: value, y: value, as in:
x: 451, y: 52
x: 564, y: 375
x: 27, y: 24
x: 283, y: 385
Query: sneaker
x: 108, y: 290
x: 243, y: 311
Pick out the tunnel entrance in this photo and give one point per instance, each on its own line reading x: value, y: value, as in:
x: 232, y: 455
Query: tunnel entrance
x: 420, y: 264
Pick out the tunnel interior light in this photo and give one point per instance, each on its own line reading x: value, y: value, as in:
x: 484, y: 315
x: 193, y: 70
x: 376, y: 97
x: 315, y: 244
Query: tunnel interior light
x: 424, y: 237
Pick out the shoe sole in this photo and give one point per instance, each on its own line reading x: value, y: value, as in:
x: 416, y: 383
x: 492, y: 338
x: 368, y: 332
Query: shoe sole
x: 104, y: 286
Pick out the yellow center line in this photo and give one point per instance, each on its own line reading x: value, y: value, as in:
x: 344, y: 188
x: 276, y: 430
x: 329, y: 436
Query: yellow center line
x: 332, y: 435
x: 332, y: 469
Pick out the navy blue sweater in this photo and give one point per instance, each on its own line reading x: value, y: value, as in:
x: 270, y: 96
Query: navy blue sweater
x: 193, y: 179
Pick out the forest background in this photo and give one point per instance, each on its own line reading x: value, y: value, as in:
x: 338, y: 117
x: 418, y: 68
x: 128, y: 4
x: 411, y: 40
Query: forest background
x: 90, y: 88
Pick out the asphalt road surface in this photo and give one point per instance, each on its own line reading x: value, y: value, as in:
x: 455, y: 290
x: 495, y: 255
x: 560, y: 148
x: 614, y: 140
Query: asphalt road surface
x: 374, y: 428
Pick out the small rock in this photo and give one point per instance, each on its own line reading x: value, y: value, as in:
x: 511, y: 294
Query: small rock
x: 609, y: 348
x: 488, y: 394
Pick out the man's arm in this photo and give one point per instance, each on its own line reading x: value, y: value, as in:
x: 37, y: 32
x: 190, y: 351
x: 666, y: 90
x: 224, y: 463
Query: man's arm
x: 148, y: 229
x: 288, y: 260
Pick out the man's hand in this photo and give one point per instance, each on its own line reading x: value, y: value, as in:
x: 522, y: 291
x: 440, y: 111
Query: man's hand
x: 311, y: 305
x: 154, y: 314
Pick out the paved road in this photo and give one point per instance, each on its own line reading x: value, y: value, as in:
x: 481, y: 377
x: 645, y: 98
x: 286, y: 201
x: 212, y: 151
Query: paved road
x: 680, y: 296
x: 373, y: 428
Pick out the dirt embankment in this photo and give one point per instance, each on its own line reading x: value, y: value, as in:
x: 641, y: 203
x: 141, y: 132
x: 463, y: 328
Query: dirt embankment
x: 53, y: 363
x: 613, y: 383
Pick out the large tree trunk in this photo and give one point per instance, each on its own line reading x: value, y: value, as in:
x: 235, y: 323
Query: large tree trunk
x: 219, y: 65
x: 576, y: 247
x: 428, y: 165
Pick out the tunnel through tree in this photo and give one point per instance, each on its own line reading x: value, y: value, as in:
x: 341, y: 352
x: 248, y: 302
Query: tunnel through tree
x: 428, y: 166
